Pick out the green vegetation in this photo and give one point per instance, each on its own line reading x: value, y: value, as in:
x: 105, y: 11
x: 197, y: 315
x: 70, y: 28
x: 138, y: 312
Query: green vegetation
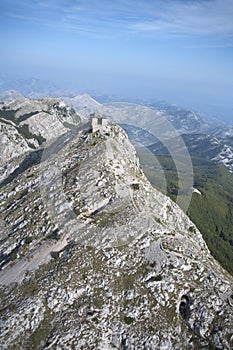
x: 28, y: 240
x: 8, y: 114
x: 39, y: 337
x: 54, y: 255
x: 155, y: 278
x: 24, y: 131
x: 135, y: 186
x: 11, y: 115
x: 68, y: 125
x: 30, y: 287
x: 212, y: 212
x: 128, y: 320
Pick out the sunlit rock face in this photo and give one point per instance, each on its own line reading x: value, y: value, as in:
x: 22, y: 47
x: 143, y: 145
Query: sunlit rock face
x: 93, y: 257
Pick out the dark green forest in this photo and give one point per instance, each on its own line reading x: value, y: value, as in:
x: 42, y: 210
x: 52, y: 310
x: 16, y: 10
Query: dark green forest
x: 212, y: 211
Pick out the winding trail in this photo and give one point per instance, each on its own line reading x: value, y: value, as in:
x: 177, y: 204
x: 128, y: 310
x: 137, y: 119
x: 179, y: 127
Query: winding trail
x: 39, y: 256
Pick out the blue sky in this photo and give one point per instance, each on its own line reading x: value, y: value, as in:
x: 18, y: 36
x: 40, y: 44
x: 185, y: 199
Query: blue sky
x: 179, y: 51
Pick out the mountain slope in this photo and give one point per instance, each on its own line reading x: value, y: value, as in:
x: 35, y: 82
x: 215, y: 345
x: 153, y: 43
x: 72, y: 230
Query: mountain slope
x: 95, y: 258
x: 83, y: 104
x: 25, y: 124
x: 211, y: 206
x: 202, y: 146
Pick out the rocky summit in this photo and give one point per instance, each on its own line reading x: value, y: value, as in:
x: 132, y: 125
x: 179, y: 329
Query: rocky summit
x: 93, y: 257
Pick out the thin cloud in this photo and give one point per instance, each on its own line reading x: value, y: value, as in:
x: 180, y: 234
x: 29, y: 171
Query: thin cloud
x: 173, y: 18
x: 192, y: 18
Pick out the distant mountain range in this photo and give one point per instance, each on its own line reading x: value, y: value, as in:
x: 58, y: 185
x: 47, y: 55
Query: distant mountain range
x: 212, y: 138
x: 210, y: 148
x: 36, y: 88
x: 31, y: 88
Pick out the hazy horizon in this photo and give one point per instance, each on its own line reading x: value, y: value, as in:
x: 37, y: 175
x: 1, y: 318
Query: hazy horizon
x: 177, y: 51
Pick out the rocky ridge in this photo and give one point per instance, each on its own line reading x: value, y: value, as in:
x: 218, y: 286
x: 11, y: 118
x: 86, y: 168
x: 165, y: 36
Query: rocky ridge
x: 25, y: 124
x: 164, y: 124
x: 93, y: 257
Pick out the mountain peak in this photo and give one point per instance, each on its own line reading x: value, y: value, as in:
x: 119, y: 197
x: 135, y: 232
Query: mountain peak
x: 84, y: 104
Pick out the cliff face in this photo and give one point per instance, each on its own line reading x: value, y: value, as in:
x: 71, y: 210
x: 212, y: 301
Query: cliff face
x: 93, y: 257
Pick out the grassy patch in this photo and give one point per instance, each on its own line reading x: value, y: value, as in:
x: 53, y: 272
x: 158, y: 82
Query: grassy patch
x: 128, y: 320
x: 24, y: 131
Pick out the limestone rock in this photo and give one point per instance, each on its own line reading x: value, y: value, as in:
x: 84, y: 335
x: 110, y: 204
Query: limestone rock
x: 93, y: 257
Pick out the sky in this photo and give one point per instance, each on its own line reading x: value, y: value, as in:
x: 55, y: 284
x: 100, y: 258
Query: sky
x: 180, y: 51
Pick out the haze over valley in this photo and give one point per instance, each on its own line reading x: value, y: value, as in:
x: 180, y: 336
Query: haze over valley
x: 174, y: 51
